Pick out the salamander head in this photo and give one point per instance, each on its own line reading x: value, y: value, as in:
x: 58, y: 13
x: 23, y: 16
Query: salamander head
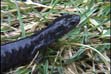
x: 71, y: 20
x: 68, y: 21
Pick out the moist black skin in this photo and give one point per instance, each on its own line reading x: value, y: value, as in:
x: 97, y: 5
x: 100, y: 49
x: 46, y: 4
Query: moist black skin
x: 21, y: 52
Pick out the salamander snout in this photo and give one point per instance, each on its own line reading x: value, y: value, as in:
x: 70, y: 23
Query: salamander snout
x: 72, y: 21
x: 75, y: 19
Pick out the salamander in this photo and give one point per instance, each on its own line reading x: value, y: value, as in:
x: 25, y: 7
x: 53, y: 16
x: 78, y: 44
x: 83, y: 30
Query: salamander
x: 22, y: 51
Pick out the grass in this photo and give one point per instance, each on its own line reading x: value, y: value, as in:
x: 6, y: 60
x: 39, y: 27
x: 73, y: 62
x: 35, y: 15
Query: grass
x: 84, y: 50
x: 20, y: 20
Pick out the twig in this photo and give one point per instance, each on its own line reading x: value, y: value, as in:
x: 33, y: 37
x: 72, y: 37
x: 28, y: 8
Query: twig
x: 33, y: 60
x: 106, y: 59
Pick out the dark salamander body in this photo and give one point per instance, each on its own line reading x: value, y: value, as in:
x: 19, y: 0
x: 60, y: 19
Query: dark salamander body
x: 22, y: 51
